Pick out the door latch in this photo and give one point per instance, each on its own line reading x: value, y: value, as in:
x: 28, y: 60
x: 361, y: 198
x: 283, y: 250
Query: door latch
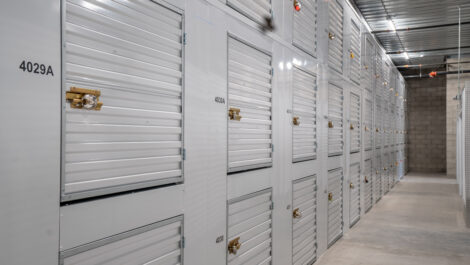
x: 331, y: 36
x: 351, y: 127
x: 234, y: 245
x: 330, y: 124
x: 330, y: 196
x: 234, y: 114
x: 366, y: 180
x: 351, y: 185
x: 82, y: 98
x: 296, y: 121
x: 297, y: 214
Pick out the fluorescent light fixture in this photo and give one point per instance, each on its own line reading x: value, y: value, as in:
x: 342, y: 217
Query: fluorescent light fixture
x: 390, y: 22
x: 422, y: 55
x: 406, y: 55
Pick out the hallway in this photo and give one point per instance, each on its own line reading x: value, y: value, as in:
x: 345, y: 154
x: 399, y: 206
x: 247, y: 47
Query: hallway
x: 420, y: 222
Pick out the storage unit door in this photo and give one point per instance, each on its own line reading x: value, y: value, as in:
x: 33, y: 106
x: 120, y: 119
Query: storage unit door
x: 354, y: 193
x: 304, y: 116
x: 335, y: 122
x: 368, y: 122
x: 123, y: 88
x: 249, y: 234
x: 355, y: 53
x: 335, y: 205
x: 305, y: 27
x: 355, y: 123
x: 159, y: 243
x: 368, y: 76
x: 257, y: 10
x: 378, y: 123
x: 250, y: 107
x: 377, y: 182
x: 305, y: 221
x: 335, y: 36
x: 368, y: 185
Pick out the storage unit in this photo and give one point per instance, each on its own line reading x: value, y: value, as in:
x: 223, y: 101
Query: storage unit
x: 258, y: 11
x: 305, y: 27
x: 369, y: 185
x: 304, y: 224
x: 122, y: 103
x: 354, y: 193
x: 249, y: 229
x: 249, y: 107
x: 335, y: 36
x: 159, y: 243
x: 355, y: 123
x: 335, y: 205
x: 304, y: 115
x: 335, y: 120
x: 354, y: 53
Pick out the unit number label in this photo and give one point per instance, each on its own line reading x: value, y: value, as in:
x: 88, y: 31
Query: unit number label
x: 36, y: 68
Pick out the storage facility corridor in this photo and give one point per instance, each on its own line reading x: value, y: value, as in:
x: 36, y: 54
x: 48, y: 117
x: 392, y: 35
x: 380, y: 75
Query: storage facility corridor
x: 235, y: 132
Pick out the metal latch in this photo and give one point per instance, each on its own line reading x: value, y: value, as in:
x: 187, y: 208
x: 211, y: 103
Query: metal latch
x: 366, y: 180
x: 351, y: 185
x: 330, y: 196
x: 234, y: 114
x: 82, y: 98
x: 377, y: 129
x: 351, y: 127
x: 330, y: 124
x: 234, y: 245
x: 366, y: 129
x: 297, y: 214
x: 296, y: 121
x: 331, y: 36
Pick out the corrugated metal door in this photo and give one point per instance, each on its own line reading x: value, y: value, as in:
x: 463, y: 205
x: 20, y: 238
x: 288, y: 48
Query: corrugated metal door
x: 354, y: 193
x: 159, y: 243
x: 355, y: 123
x: 368, y: 75
x: 335, y: 122
x: 335, y: 36
x: 305, y: 27
x: 368, y: 121
x: 355, y: 53
x: 249, y: 234
x: 129, y: 55
x: 378, y: 123
x: 304, y: 119
x: 377, y: 182
x: 368, y: 185
x: 250, y: 107
x: 305, y: 221
x: 335, y: 205
x: 258, y: 10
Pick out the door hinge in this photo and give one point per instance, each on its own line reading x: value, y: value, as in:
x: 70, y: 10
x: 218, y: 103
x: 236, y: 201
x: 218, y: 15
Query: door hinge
x: 184, y: 38
x: 183, y: 242
x: 183, y: 151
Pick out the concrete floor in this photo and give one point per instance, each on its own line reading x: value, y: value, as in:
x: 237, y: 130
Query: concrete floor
x: 420, y: 222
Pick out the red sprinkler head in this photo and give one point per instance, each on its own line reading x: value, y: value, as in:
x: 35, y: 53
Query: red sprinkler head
x: 297, y: 5
x: 433, y: 74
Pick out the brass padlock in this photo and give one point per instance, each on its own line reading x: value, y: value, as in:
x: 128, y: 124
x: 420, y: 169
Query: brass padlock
x: 330, y: 196
x: 351, y: 54
x: 377, y: 129
x: 366, y: 180
x: 296, y: 121
x: 330, y: 124
x: 396, y: 163
x: 366, y: 129
x: 351, y: 127
x: 331, y: 36
x: 234, y: 245
x: 351, y: 185
x: 234, y: 114
x: 366, y: 67
x: 82, y: 98
x: 385, y: 169
x: 296, y: 213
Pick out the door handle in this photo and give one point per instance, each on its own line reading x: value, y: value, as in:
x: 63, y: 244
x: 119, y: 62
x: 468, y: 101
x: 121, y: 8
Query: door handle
x: 82, y: 98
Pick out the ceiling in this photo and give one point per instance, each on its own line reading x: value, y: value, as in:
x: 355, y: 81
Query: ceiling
x: 426, y: 29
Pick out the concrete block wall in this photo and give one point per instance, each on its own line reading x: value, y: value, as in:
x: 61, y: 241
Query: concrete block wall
x: 427, y: 124
x: 451, y: 113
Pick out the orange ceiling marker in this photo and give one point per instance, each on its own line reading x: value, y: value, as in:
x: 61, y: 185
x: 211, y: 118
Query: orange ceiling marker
x: 433, y: 74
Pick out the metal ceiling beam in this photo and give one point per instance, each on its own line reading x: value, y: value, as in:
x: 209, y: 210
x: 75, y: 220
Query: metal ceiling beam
x: 430, y: 50
x: 426, y: 65
x: 421, y: 28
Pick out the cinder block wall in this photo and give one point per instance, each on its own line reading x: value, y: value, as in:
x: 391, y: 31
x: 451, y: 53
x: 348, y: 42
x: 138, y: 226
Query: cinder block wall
x: 427, y: 124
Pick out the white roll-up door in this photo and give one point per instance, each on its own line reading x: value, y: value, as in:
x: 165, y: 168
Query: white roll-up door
x: 305, y: 27
x: 250, y: 107
x: 123, y: 89
x: 377, y: 181
x: 355, y: 53
x: 335, y: 205
x: 249, y: 235
x: 368, y: 122
x: 159, y: 243
x: 335, y: 36
x: 335, y: 120
x: 354, y: 193
x: 355, y: 123
x: 368, y: 69
x: 305, y: 221
x: 304, y: 116
x: 378, y: 123
x: 386, y: 170
x: 258, y: 10
x: 368, y: 185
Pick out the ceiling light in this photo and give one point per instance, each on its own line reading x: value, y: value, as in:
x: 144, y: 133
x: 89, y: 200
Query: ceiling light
x: 422, y: 55
x: 390, y: 22
x: 406, y: 55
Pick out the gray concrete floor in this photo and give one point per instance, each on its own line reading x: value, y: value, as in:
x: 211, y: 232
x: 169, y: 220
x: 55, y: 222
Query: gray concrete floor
x: 419, y: 222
